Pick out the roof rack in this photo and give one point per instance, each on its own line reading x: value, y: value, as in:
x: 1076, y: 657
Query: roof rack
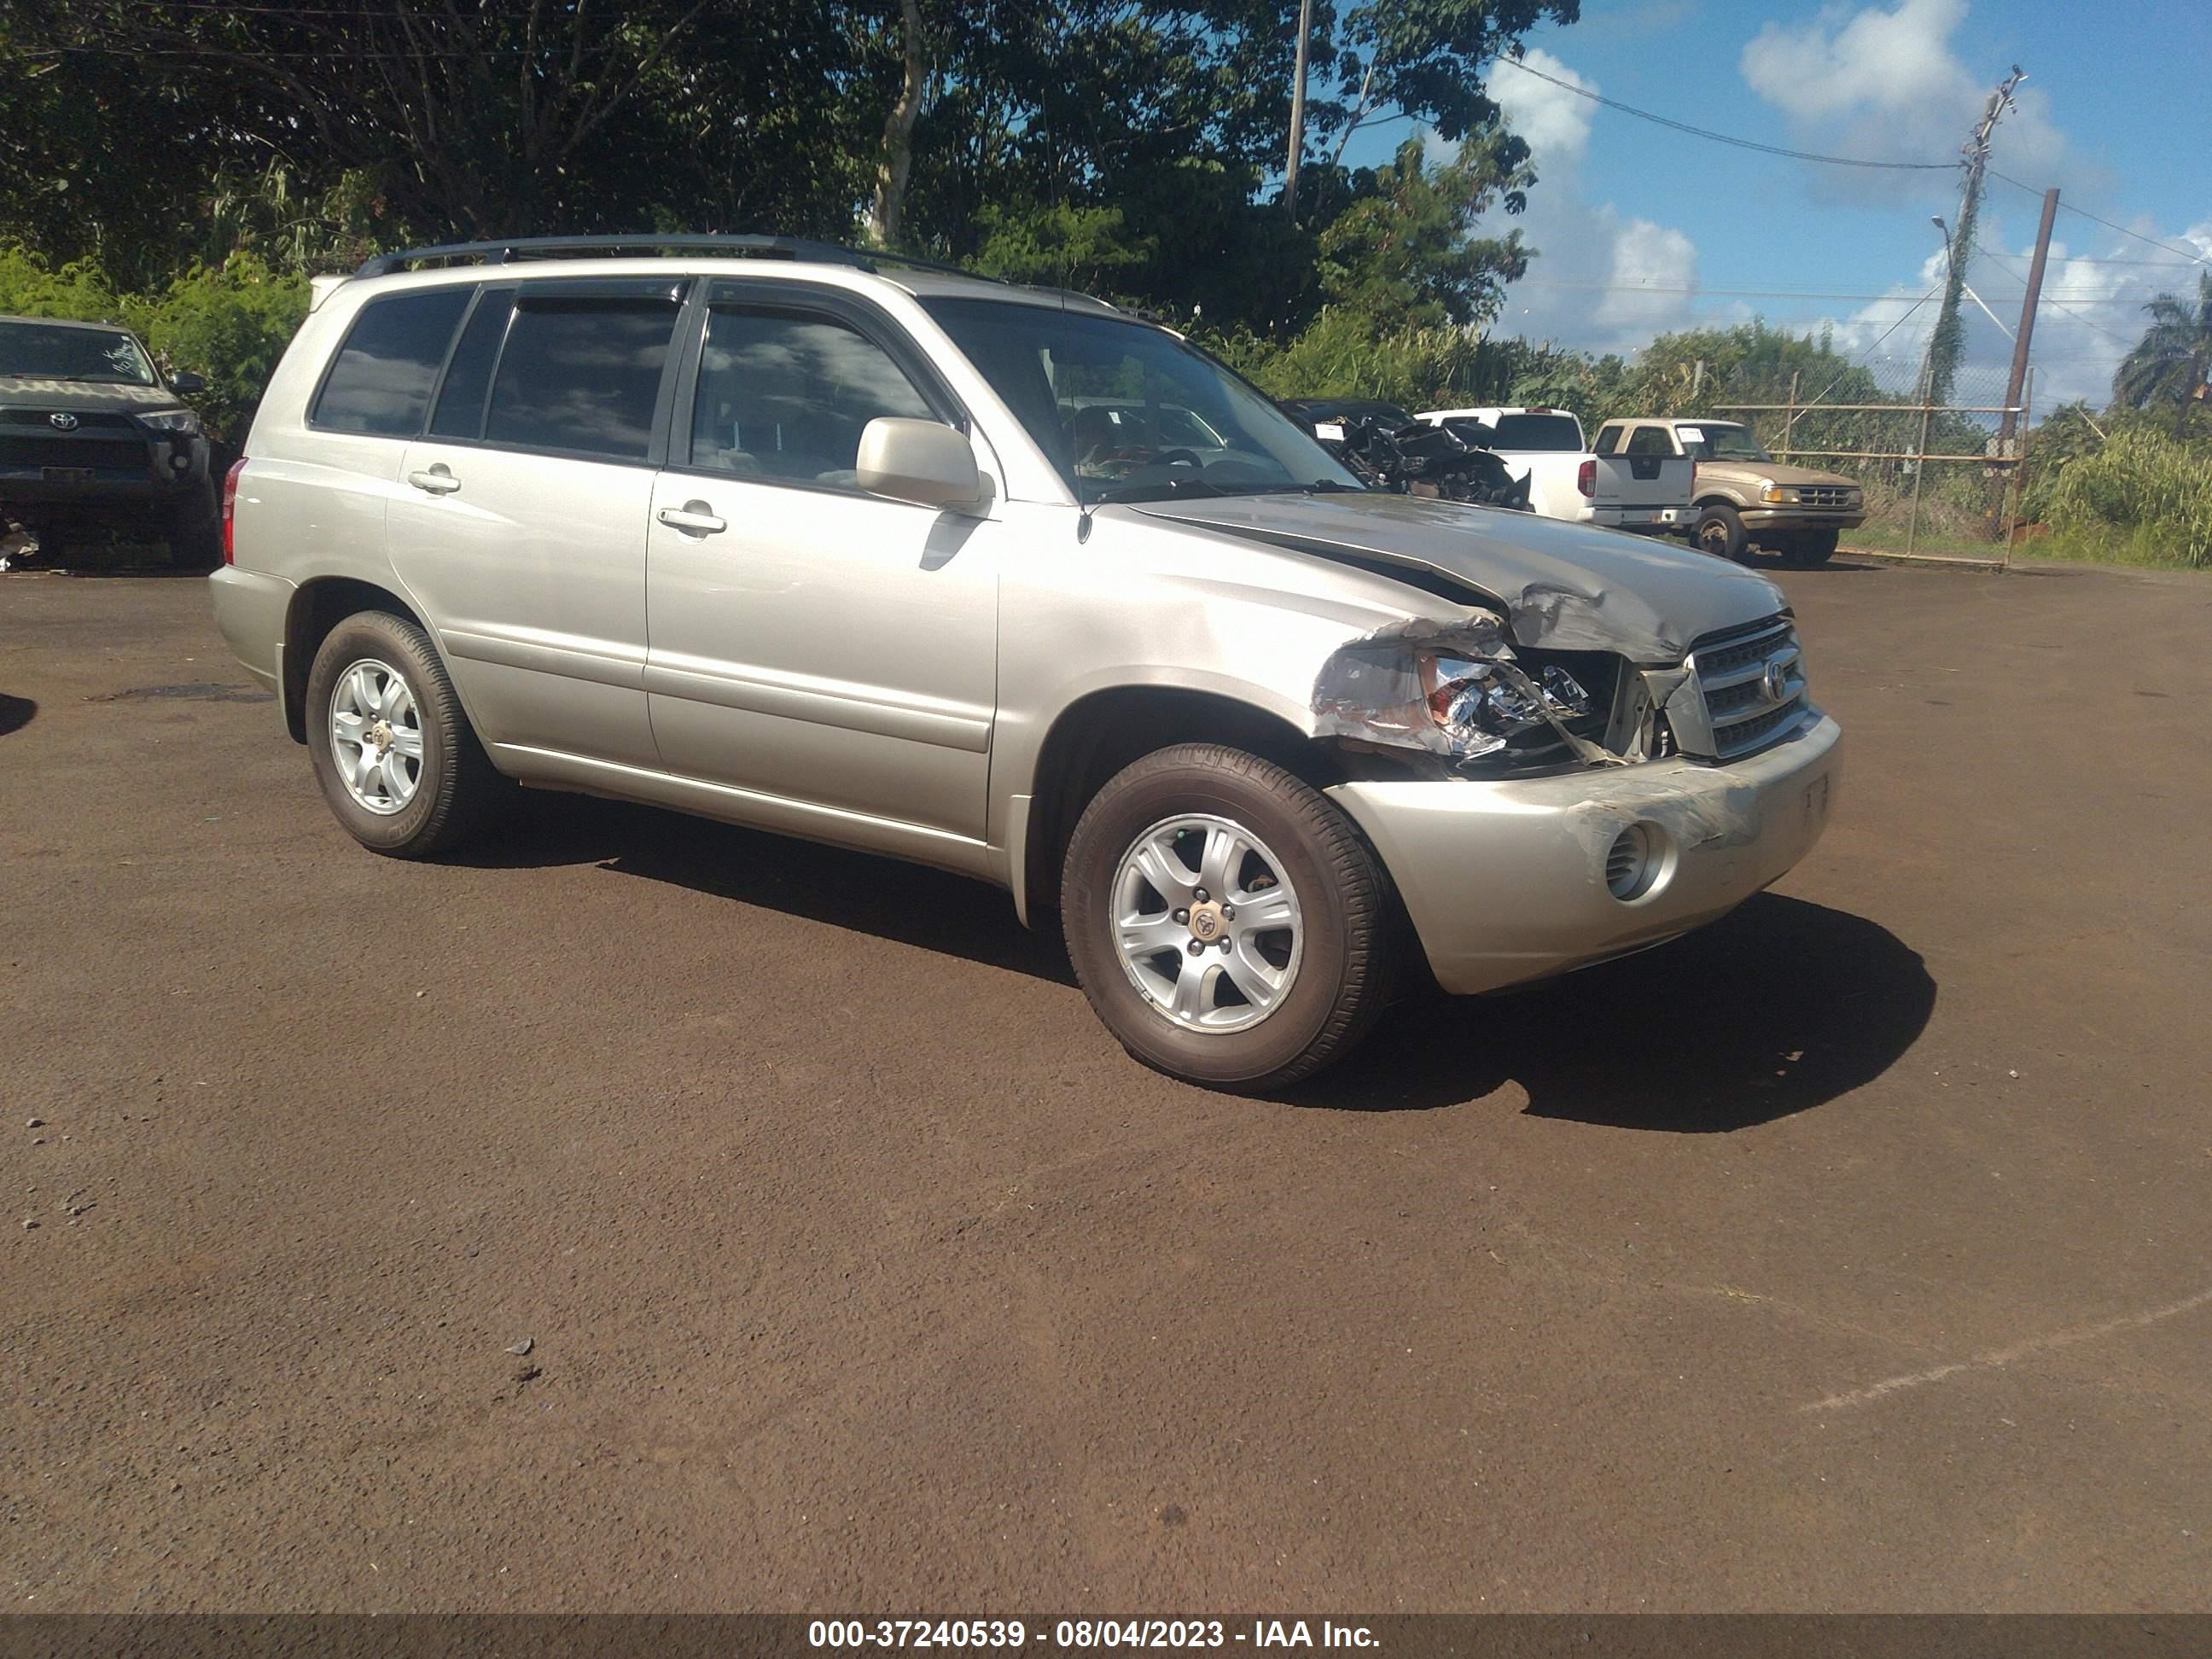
x: 516, y: 248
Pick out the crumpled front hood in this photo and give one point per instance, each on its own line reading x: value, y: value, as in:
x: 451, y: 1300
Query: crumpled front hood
x: 85, y: 397
x: 1569, y: 586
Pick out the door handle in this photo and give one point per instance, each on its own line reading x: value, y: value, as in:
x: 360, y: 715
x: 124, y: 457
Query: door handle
x: 696, y: 517
x: 437, y: 481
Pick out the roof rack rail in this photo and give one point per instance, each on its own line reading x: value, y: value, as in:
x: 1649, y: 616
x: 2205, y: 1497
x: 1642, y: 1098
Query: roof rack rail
x: 516, y: 248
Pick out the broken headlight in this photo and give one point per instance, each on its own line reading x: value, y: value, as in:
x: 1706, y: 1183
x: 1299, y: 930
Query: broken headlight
x: 1481, y: 703
x: 1456, y: 693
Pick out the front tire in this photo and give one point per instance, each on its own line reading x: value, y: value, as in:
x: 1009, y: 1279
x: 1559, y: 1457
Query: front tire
x: 1227, y: 922
x: 391, y: 748
x: 1719, y: 532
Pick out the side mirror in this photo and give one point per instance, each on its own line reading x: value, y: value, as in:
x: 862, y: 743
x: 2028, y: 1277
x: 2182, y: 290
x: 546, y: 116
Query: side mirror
x: 920, y: 461
x: 186, y: 384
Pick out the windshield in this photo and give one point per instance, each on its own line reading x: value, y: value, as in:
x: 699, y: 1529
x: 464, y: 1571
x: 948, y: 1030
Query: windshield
x: 1544, y: 434
x: 1721, y: 443
x: 1127, y: 412
x: 43, y: 351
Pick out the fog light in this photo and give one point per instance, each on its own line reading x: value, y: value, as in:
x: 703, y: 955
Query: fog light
x: 1631, y: 863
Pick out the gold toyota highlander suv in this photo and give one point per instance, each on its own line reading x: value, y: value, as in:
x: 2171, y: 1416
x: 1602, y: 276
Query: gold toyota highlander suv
x: 1004, y: 581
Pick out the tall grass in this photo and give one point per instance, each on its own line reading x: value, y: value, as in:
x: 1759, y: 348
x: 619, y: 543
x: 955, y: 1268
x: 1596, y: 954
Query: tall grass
x: 2143, y: 494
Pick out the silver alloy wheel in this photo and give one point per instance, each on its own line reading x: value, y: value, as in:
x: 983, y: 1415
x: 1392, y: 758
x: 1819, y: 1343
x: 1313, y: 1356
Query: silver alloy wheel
x: 1207, y: 923
x: 376, y: 736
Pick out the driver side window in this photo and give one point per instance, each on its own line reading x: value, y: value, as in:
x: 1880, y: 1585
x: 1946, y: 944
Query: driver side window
x: 784, y: 397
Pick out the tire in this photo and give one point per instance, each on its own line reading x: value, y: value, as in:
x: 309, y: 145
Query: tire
x: 1809, y: 549
x: 193, y: 529
x: 1719, y: 532
x: 1332, y: 961
x: 413, y: 804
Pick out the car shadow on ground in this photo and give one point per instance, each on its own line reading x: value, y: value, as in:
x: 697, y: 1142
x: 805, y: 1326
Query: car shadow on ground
x: 1779, y: 1008
x: 932, y: 909
x: 16, y: 713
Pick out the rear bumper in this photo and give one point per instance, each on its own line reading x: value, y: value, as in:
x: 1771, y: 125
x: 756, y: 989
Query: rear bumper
x: 1506, y: 881
x: 250, y: 610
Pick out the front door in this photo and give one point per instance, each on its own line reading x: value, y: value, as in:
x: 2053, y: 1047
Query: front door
x: 822, y: 650
x: 521, y: 520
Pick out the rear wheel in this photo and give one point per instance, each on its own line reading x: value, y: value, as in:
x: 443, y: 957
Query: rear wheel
x: 1809, y: 548
x: 1719, y: 532
x: 391, y: 748
x: 1227, y: 922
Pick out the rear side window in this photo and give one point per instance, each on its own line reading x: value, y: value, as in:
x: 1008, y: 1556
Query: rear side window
x: 460, y: 411
x: 581, y: 375
x: 381, y: 382
x: 1546, y: 433
x: 1608, y: 440
x: 1650, y: 440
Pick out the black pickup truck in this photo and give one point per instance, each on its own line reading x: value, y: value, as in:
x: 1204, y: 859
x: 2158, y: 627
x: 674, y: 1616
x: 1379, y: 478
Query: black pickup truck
x: 93, y: 439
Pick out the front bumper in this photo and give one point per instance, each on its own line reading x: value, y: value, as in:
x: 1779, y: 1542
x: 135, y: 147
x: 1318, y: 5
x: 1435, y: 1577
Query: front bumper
x: 1506, y: 881
x: 1801, y: 517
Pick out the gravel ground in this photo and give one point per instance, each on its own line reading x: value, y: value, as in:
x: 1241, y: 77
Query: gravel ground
x: 1851, y: 1253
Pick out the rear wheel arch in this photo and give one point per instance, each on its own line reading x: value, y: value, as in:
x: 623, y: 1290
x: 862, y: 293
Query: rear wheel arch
x: 317, y: 606
x: 1098, y: 735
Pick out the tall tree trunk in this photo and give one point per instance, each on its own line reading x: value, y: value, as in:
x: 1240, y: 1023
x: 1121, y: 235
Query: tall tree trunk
x: 890, y: 205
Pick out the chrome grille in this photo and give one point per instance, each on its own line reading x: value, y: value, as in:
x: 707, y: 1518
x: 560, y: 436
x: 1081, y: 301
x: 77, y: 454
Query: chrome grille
x: 1753, y: 680
x: 1825, y: 495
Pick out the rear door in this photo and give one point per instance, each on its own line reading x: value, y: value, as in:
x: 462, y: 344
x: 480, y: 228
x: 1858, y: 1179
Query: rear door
x: 520, y: 523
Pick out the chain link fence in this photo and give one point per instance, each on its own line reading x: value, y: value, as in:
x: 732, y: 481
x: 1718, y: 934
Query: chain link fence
x: 1940, y: 479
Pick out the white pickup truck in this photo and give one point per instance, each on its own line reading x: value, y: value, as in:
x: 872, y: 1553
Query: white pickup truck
x: 1633, y: 490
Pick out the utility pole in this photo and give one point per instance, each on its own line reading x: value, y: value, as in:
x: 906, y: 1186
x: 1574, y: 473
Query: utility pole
x: 1298, y: 113
x: 1949, y: 336
x: 2018, y: 381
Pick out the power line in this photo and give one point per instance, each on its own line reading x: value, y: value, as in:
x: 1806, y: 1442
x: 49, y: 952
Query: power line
x: 2013, y: 271
x: 1724, y: 139
x: 2193, y: 258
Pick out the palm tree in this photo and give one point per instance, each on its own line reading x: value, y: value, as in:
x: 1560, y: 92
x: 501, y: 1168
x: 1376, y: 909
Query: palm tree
x: 2168, y: 363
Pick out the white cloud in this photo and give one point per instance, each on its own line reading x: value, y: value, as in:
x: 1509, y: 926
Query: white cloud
x: 2090, y: 314
x: 1555, y: 123
x: 1885, y: 85
x: 1580, y: 290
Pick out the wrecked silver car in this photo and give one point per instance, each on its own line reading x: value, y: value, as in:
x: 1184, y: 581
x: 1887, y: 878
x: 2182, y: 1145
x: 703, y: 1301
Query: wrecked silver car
x: 1002, y: 581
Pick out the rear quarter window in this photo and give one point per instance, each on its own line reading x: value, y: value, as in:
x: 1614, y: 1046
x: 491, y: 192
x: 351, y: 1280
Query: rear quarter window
x: 1542, y: 432
x: 379, y: 382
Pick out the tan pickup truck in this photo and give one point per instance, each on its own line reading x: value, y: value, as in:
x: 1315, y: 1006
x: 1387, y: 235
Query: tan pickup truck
x: 1743, y: 497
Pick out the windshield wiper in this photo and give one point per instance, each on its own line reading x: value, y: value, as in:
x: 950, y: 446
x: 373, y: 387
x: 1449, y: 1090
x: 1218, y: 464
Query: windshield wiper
x: 1160, y: 489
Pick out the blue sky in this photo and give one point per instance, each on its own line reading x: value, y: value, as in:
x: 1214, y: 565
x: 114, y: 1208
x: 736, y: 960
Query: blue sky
x: 1644, y: 229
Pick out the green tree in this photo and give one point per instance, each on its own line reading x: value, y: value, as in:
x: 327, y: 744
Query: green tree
x: 1401, y: 256
x: 2168, y: 364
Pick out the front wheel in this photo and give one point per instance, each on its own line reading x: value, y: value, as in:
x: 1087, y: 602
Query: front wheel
x: 1227, y: 922
x: 1719, y: 532
x: 391, y: 748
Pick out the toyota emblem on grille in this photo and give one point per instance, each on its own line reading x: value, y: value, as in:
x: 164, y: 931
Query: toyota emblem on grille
x: 1777, y: 681
x: 66, y: 422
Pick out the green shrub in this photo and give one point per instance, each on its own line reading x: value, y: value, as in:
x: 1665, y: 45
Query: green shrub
x: 2143, y: 489
x: 79, y: 293
x: 228, y: 323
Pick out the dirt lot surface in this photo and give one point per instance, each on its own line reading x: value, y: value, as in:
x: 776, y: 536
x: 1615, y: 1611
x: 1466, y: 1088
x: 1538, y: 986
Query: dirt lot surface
x: 1852, y: 1253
